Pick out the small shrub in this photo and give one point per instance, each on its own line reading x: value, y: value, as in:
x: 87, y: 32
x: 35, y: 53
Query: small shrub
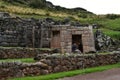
x: 112, y: 16
x: 37, y: 4
x: 2, y: 6
x: 47, y: 14
x: 82, y: 15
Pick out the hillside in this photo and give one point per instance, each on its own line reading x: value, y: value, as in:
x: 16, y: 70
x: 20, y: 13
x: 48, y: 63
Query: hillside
x: 109, y: 24
x: 41, y: 8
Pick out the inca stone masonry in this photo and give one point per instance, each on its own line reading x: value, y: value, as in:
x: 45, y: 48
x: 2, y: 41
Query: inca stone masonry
x: 18, y: 32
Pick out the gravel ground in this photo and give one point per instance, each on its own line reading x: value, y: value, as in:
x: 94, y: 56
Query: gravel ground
x: 113, y: 74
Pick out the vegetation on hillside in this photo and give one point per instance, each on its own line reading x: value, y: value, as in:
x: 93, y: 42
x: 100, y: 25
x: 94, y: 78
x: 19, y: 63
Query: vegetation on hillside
x: 41, y: 8
x: 109, y: 23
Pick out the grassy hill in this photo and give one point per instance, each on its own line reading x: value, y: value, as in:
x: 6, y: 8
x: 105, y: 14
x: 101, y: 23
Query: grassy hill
x: 109, y: 24
x: 110, y: 27
x: 40, y: 9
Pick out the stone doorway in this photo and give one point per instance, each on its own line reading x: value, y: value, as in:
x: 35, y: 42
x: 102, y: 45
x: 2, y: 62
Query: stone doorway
x: 78, y: 40
x: 55, y: 39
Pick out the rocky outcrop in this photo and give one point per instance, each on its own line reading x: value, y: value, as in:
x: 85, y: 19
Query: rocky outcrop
x: 104, y: 42
x: 4, y: 15
x: 56, y: 63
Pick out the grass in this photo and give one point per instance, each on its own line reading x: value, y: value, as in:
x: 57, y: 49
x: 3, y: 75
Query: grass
x: 69, y: 73
x: 27, y: 11
x: 27, y: 60
x: 111, y: 28
x: 31, y: 11
x: 112, y: 24
x: 113, y: 34
x: 25, y: 48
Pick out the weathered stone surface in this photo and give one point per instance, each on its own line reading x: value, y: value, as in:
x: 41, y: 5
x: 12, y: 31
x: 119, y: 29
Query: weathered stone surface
x: 4, y: 15
x: 15, y: 31
x: 104, y: 42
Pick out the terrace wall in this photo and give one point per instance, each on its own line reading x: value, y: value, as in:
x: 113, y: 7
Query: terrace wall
x: 10, y: 53
x: 53, y: 64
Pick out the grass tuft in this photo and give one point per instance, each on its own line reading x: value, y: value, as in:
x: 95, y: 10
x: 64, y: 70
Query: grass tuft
x: 27, y: 60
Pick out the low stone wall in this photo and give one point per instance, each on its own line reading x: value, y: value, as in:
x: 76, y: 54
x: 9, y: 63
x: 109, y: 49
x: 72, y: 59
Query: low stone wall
x: 55, y: 63
x: 10, y: 53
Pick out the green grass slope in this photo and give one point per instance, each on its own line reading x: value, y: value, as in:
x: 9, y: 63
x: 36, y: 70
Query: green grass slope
x: 40, y: 9
x: 111, y: 27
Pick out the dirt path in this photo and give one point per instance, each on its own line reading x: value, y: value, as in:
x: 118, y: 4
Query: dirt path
x: 113, y: 74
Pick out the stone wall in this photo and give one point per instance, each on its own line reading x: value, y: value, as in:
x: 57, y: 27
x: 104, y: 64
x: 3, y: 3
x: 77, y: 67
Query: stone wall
x: 19, y: 32
x: 10, y: 53
x: 63, y: 38
x: 55, y: 63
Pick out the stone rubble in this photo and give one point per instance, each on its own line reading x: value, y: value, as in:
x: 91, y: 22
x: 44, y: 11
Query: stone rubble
x: 104, y: 42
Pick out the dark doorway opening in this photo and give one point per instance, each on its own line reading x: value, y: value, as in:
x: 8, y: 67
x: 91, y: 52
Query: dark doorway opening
x: 77, y: 39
